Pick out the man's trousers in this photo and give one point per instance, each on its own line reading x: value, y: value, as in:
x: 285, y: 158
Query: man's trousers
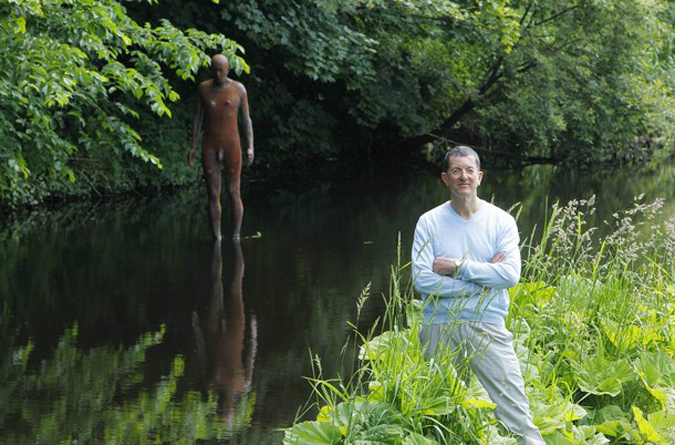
x: 488, y: 347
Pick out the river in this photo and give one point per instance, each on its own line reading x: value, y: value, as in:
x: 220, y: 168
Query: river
x: 83, y: 287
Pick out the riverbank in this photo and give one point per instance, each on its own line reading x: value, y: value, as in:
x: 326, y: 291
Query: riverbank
x: 291, y: 176
x: 593, y: 325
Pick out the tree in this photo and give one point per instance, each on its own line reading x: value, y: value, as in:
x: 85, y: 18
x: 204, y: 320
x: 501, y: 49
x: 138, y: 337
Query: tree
x: 583, y: 79
x: 76, y: 77
x: 587, y: 80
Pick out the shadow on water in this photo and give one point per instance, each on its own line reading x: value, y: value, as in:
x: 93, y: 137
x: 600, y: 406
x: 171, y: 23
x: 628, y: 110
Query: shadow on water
x: 122, y: 269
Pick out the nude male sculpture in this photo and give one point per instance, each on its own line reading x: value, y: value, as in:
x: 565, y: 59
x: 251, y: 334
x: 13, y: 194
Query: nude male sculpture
x: 219, y: 101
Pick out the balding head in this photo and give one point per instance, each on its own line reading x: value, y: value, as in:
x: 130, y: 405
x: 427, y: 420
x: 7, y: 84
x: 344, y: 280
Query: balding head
x: 220, y: 68
x: 220, y: 59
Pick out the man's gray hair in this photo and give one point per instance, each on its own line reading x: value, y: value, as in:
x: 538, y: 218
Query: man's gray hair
x: 460, y: 150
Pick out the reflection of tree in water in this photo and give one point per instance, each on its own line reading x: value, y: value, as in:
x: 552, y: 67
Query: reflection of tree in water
x: 98, y: 396
x: 221, y: 333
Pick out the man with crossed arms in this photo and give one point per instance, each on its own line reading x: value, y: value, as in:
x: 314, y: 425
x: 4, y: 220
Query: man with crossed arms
x: 465, y: 256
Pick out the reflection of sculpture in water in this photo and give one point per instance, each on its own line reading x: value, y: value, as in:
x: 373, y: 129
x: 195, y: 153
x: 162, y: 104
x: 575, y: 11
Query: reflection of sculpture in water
x: 219, y: 101
x: 227, y: 365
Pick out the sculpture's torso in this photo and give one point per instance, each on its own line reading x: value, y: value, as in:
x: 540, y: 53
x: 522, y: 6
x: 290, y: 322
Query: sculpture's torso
x: 221, y: 132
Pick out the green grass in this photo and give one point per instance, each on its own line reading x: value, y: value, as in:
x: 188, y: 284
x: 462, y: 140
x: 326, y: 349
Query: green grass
x: 593, y: 321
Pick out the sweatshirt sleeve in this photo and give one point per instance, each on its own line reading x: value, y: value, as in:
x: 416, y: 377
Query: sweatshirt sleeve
x: 499, y: 275
x: 426, y: 281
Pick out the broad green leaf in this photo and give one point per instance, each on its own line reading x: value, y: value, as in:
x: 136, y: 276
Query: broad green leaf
x: 376, y: 392
x: 358, y: 413
x: 597, y: 375
x: 558, y: 437
x: 414, y: 312
x: 477, y: 403
x: 663, y: 421
x: 629, y: 336
x: 573, y: 411
x: 610, y: 412
x: 20, y: 25
x: 656, y: 368
x: 548, y: 425
x: 588, y: 435
x: 584, y: 435
x: 532, y: 292
x: 380, y: 434
x: 646, y: 428
x: 324, y: 414
x: 378, y: 347
x: 439, y: 406
x: 476, y: 391
x: 312, y: 433
x: 556, y: 415
x: 418, y: 439
x: 495, y: 437
x: 670, y: 348
x: 615, y: 428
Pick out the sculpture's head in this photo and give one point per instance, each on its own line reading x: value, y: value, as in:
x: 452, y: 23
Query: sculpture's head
x: 220, y: 68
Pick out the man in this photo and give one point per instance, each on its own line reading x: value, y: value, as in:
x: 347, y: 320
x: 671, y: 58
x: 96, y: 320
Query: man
x: 465, y: 256
x: 219, y: 101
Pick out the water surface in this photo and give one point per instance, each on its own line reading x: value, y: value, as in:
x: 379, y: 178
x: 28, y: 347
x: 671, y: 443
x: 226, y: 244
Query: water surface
x: 121, y: 313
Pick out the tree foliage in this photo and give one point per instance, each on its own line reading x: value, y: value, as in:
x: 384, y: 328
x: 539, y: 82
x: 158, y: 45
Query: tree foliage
x: 329, y: 77
x: 558, y: 79
x: 585, y: 80
x: 76, y: 78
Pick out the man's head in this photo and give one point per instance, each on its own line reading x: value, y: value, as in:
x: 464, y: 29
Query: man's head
x: 220, y: 68
x: 460, y: 150
x: 461, y: 172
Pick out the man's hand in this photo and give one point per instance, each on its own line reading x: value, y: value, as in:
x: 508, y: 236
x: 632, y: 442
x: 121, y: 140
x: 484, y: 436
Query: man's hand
x: 250, y: 156
x: 448, y: 266
x: 191, y: 158
x: 445, y: 266
x: 498, y: 258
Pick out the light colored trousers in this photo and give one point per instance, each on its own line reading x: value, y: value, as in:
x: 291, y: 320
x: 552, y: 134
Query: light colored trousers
x: 489, y: 349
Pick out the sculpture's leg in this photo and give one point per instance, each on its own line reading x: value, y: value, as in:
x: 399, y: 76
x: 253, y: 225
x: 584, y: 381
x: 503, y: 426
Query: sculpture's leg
x: 212, y: 176
x: 237, y: 206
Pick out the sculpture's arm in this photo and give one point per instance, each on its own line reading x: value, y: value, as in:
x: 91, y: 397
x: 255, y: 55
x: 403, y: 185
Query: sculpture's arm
x: 248, y: 125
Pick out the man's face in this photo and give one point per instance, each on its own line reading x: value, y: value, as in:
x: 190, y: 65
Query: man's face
x: 462, y: 177
x: 220, y: 68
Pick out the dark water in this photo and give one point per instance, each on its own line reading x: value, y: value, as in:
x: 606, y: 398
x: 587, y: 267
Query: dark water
x: 81, y: 289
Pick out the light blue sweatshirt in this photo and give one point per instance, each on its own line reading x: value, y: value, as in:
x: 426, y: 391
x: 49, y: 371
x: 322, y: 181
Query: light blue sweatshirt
x: 478, y: 290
